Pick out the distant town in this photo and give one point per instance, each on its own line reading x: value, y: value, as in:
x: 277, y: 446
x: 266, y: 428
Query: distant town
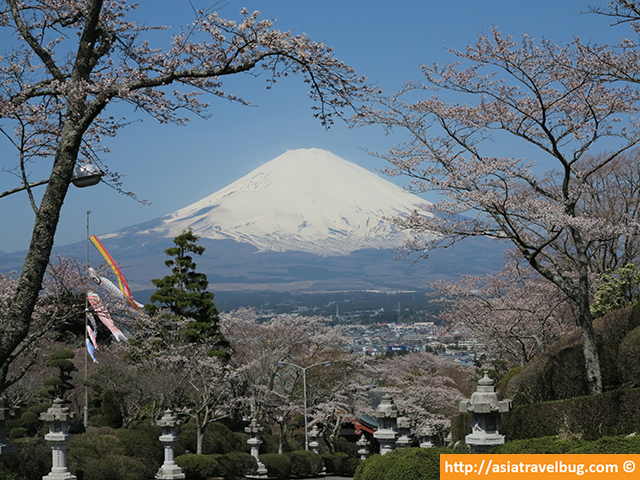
x: 374, y: 323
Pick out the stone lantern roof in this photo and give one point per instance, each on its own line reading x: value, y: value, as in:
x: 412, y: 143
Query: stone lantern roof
x: 387, y: 408
x: 169, y: 420
x: 485, y: 399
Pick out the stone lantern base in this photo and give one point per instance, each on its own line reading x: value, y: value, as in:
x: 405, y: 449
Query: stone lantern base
x: 170, y: 471
x: 261, y: 473
x: 480, y: 442
x: 62, y: 475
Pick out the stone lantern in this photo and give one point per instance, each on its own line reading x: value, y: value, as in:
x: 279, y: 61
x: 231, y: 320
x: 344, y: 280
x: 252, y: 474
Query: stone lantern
x: 254, y: 442
x: 363, y: 443
x: 404, y: 431
x: 387, y: 415
x: 315, y: 443
x: 427, y: 436
x: 6, y: 412
x: 58, y: 417
x: 169, y: 469
x: 486, y: 409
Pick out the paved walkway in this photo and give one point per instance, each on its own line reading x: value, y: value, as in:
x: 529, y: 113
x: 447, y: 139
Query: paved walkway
x: 333, y: 478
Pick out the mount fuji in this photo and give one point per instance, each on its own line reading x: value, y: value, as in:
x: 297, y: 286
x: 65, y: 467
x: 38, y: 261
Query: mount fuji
x: 306, y: 200
x: 307, y: 221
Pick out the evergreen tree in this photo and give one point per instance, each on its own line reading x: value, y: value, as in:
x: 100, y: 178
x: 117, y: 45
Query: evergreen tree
x: 618, y: 289
x: 56, y: 387
x: 184, y: 294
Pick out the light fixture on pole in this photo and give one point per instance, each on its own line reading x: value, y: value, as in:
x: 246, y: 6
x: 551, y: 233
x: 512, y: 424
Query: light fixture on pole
x: 85, y: 175
x: 304, y: 394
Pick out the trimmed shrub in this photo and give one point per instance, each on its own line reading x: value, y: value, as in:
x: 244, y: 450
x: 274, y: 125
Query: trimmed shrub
x: 31, y: 459
x: 39, y: 408
x: 305, y: 463
x: 99, y: 443
x: 609, y: 445
x: 27, y: 425
x: 540, y: 445
x: 198, y: 467
x: 628, y: 355
x: 503, y: 384
x: 236, y: 464
x: 403, y: 464
x: 332, y: 464
x: 340, y: 463
x: 7, y: 475
x: 618, y: 445
x: 31, y: 422
x: 18, y: 432
x: 461, y: 426
x: 610, y: 414
x: 141, y: 441
x: 278, y: 466
x: 110, y: 409
x: 116, y: 467
x: 347, y: 464
x: 558, y: 373
x: 218, y: 438
x: 239, y: 464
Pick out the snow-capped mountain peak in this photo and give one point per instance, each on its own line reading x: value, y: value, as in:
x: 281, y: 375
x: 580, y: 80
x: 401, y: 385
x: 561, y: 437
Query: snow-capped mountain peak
x: 305, y: 200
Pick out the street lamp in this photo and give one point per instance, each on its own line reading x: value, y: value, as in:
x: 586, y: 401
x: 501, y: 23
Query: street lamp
x: 304, y: 394
x: 85, y: 175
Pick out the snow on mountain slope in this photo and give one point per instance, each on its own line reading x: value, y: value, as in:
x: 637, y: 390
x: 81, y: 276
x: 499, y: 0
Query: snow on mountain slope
x: 305, y: 200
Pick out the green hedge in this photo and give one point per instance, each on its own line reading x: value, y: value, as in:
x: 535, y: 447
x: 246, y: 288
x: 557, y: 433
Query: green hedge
x: 613, y: 445
x: 198, y: 467
x: 611, y: 414
x: 628, y: 355
x: 30, y: 460
x: 305, y: 463
x: 141, y: 441
x: 116, y: 467
x: 218, y: 438
x: 403, y: 464
x: 559, y: 373
x: 341, y: 464
x: 278, y: 466
x: 540, y: 445
x: 236, y: 464
x: 346, y: 464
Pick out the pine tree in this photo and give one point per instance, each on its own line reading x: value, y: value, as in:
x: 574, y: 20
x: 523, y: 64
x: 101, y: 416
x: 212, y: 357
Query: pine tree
x: 56, y: 387
x: 184, y: 294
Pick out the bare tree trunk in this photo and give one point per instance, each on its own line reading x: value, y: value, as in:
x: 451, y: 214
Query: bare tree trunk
x: 17, y: 320
x: 335, y: 433
x: 590, y: 352
x: 199, y: 437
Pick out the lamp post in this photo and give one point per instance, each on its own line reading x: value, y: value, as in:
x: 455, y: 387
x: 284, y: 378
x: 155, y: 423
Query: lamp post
x: 304, y: 393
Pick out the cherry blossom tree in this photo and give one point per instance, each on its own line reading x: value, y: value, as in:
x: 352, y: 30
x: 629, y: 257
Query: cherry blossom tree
x: 512, y: 158
x: 346, y: 399
x: 159, y: 368
x: 205, y: 391
x: 426, y: 388
x: 612, y: 193
x: 515, y: 313
x: 259, y: 344
x: 59, y: 304
x: 76, y: 58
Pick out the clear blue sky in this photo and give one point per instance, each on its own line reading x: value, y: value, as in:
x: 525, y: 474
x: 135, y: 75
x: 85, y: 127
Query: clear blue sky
x: 173, y: 167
